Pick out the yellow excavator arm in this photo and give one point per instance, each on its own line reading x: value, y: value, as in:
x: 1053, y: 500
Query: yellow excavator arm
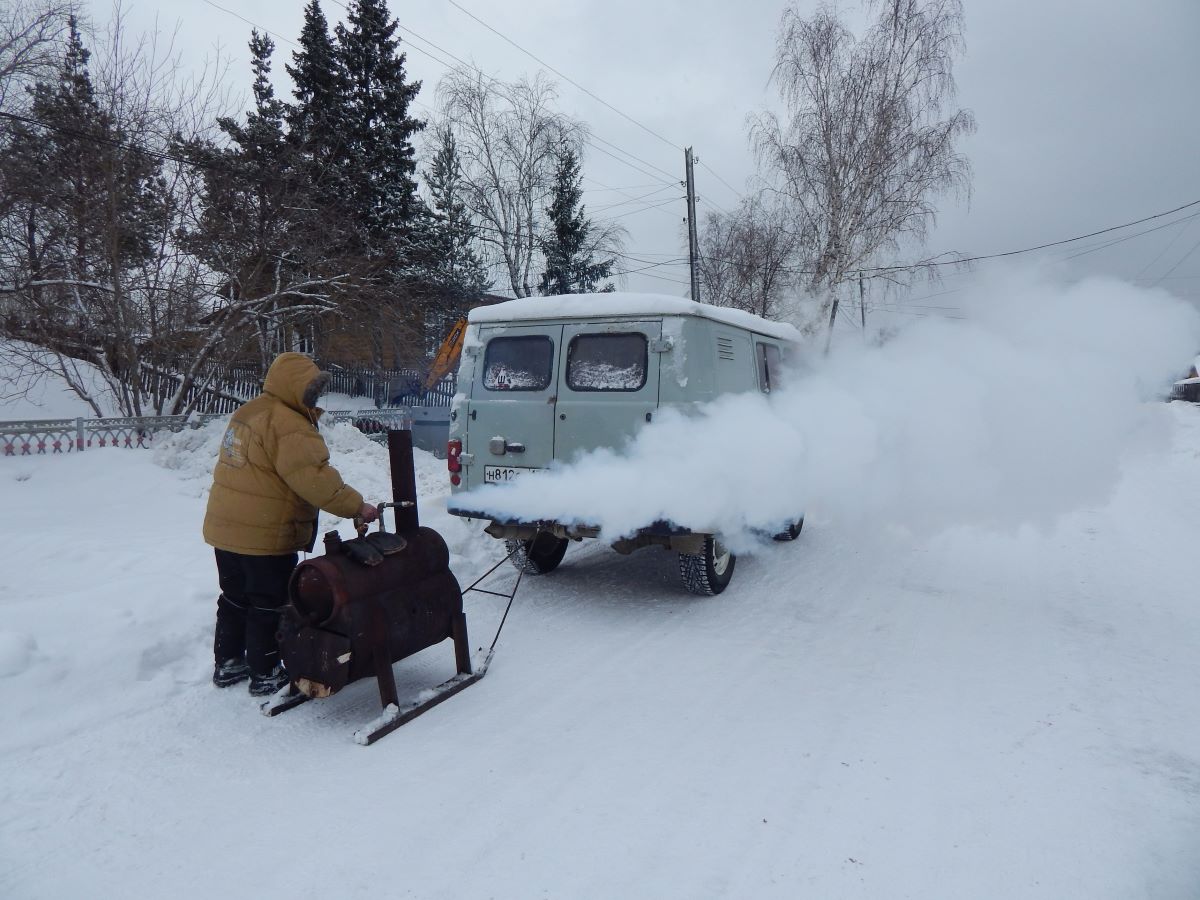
x: 447, y: 355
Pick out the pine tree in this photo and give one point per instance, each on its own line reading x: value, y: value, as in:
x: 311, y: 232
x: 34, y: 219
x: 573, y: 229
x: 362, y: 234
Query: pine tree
x: 319, y: 86
x: 456, y: 263
x: 252, y: 188
x: 243, y: 224
x: 570, y: 258
x: 380, y: 160
x: 316, y: 124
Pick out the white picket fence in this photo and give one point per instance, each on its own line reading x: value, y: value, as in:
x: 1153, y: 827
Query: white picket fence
x: 38, y: 437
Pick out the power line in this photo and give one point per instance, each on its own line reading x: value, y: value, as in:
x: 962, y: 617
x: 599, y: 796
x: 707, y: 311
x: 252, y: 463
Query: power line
x: 645, y: 209
x: 1181, y: 261
x: 1130, y: 237
x: 1146, y: 268
x: 672, y: 178
x: 1082, y: 237
x: 566, y: 78
x: 987, y: 256
x: 628, y: 187
x: 719, y: 209
x: 712, y: 172
x: 626, y: 162
x: 419, y: 37
x: 666, y: 187
x: 120, y: 145
x: 591, y: 94
x: 462, y: 62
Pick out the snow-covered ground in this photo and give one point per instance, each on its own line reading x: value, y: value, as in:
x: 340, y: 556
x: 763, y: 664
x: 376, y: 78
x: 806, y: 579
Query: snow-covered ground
x: 980, y: 706
x: 859, y: 715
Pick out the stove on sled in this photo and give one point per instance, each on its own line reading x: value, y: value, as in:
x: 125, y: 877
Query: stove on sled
x: 371, y: 601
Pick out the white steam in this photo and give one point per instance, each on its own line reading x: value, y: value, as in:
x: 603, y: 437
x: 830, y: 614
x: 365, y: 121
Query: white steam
x: 1019, y: 413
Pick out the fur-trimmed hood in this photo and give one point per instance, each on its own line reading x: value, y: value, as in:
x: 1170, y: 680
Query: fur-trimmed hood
x: 295, y: 380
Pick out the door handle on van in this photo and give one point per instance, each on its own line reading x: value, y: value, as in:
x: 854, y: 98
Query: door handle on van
x: 499, y: 446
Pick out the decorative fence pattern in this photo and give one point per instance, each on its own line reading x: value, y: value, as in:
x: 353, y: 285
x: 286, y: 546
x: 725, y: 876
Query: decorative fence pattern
x: 43, y: 437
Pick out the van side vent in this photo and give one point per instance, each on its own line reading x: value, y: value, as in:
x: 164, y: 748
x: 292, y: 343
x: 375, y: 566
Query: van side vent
x: 725, y: 348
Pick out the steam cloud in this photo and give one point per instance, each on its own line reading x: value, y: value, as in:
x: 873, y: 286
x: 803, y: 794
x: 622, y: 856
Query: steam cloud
x: 1021, y: 412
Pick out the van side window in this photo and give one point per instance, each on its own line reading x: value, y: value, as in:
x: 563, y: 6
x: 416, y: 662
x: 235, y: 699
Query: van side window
x: 607, y: 362
x: 518, y: 363
x: 770, y: 368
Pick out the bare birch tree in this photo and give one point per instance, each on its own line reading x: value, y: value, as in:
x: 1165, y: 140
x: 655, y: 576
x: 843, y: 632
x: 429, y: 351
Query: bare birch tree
x: 508, y: 138
x: 30, y: 36
x: 867, y: 142
x: 747, y: 257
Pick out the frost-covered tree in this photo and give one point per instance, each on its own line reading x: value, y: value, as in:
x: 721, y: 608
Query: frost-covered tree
x: 83, y: 210
x: 508, y: 137
x: 377, y: 127
x: 568, y: 243
x: 253, y: 185
x: 30, y: 35
x: 869, y: 136
x: 317, y: 121
x: 456, y: 263
x: 747, y: 257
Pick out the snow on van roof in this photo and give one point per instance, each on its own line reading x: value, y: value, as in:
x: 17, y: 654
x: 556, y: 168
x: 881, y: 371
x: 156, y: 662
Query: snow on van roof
x: 579, y: 306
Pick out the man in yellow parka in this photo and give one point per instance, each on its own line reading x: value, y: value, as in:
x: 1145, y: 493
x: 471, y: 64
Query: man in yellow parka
x: 271, y: 477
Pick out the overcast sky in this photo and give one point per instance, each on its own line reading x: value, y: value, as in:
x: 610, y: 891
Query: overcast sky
x: 1088, y: 111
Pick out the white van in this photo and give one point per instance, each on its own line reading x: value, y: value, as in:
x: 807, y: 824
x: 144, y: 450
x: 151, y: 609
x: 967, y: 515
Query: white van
x: 544, y: 379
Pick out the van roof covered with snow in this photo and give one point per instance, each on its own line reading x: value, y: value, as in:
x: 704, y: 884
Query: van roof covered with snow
x: 598, y: 306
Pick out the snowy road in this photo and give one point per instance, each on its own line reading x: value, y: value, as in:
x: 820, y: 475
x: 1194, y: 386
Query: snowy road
x: 860, y: 715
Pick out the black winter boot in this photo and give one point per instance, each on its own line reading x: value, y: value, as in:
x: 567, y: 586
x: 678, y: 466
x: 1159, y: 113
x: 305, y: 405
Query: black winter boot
x: 265, y: 685
x: 230, y: 672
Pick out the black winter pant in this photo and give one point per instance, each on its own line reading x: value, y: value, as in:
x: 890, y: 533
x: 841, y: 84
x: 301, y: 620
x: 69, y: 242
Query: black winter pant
x: 253, y: 590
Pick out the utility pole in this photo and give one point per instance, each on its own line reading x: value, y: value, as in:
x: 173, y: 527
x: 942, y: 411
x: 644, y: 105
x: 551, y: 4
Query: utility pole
x: 693, y: 243
x: 862, y: 304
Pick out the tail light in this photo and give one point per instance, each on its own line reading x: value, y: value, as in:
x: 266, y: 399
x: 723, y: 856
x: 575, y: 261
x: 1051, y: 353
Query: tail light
x: 453, y: 465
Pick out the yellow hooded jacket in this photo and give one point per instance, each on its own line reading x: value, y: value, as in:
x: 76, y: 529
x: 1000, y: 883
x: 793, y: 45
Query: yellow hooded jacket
x: 273, y: 470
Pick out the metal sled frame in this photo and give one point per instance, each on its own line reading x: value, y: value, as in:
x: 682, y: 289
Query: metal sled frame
x: 394, y: 715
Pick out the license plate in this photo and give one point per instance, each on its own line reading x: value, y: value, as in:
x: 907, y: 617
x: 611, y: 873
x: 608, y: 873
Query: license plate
x: 503, y: 474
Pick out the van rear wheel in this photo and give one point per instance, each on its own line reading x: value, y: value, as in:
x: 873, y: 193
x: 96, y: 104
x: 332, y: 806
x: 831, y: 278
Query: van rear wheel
x: 708, y: 572
x: 540, y: 554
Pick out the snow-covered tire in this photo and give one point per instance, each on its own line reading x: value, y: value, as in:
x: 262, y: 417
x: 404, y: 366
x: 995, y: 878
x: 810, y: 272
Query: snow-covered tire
x: 538, y: 555
x: 708, y: 572
x: 792, y: 531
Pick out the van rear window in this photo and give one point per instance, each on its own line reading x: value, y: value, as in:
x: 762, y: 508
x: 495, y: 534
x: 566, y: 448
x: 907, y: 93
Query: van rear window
x: 607, y: 362
x: 518, y: 363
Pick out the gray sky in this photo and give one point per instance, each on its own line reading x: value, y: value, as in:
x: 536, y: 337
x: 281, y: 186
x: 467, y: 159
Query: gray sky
x: 1087, y: 110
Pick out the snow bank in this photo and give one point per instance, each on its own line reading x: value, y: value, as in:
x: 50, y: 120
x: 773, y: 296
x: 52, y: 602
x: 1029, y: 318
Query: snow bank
x: 29, y: 391
x: 1020, y: 413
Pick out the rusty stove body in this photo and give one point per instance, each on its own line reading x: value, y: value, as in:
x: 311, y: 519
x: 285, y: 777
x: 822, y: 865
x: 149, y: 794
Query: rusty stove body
x: 371, y: 601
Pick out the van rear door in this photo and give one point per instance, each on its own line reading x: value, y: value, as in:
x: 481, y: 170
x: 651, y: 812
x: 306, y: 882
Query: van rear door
x: 607, y: 384
x: 512, y: 402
